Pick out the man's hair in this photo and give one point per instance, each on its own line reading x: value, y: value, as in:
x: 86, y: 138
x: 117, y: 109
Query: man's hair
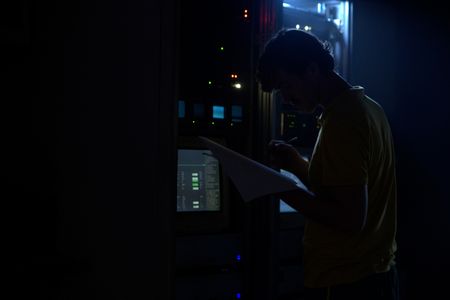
x: 292, y: 50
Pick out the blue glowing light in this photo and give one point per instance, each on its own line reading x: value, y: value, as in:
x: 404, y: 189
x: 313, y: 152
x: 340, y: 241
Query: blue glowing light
x: 181, y: 109
x: 238, y: 296
x: 218, y: 112
x: 236, y: 113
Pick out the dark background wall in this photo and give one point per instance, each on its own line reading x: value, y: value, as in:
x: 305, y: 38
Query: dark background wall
x: 401, y: 56
x: 87, y: 124
x: 88, y: 141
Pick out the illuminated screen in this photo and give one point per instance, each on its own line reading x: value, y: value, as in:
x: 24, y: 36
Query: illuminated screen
x: 218, y: 112
x: 236, y: 113
x: 198, y: 181
x: 181, y: 109
x: 284, y: 207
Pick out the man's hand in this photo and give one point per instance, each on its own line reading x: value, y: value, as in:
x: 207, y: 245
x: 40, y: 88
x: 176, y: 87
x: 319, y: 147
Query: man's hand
x: 283, y: 155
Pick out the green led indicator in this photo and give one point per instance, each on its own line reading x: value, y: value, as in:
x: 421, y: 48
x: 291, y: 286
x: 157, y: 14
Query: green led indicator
x: 209, y: 82
x: 221, y: 48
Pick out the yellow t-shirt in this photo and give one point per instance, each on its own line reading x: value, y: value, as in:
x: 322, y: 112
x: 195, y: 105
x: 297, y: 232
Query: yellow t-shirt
x: 354, y: 146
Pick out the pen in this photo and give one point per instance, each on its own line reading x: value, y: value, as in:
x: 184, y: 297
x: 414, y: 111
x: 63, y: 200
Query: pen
x: 278, y: 142
x: 292, y: 139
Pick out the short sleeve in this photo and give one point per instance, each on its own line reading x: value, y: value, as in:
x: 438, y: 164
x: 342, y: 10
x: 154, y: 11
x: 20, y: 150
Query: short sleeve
x: 344, y: 152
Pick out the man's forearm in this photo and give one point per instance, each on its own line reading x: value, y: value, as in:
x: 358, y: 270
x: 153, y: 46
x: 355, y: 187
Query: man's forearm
x: 301, y: 171
x: 324, y: 211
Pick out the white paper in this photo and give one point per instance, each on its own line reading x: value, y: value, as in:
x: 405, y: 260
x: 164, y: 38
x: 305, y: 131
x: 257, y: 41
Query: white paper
x: 251, y: 178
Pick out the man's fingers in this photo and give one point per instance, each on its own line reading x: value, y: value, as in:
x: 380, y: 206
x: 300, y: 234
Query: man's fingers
x: 274, y: 143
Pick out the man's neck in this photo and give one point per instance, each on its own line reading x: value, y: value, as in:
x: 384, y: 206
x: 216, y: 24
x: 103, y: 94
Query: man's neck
x: 333, y: 85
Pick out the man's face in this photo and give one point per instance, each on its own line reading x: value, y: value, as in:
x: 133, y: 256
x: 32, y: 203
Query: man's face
x: 298, y: 92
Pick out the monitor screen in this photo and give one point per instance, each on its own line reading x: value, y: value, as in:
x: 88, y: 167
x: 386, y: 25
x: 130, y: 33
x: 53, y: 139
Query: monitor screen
x: 284, y: 207
x: 218, y: 112
x: 236, y: 113
x: 181, y: 109
x: 198, y: 181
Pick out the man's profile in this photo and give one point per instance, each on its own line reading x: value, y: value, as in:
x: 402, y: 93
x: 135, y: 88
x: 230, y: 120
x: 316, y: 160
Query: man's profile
x: 349, y: 239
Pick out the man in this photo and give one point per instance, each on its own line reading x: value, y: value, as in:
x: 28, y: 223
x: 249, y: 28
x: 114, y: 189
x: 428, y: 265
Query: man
x: 349, y: 239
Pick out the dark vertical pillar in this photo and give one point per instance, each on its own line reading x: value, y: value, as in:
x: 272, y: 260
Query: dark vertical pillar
x: 261, y: 220
x: 91, y: 162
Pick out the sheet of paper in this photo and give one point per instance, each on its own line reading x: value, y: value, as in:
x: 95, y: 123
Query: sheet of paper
x: 251, y: 178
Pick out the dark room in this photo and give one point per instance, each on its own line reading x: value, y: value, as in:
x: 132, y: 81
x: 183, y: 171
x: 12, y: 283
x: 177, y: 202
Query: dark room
x: 221, y: 150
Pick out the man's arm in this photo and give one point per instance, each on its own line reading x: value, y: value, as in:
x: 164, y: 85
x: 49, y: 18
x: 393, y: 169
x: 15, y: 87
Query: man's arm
x: 342, y: 207
x: 285, y: 156
x: 300, y: 169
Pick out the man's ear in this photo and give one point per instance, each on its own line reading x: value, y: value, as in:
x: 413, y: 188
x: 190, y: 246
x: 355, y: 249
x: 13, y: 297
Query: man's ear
x: 312, y: 71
